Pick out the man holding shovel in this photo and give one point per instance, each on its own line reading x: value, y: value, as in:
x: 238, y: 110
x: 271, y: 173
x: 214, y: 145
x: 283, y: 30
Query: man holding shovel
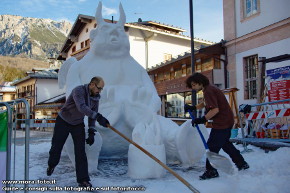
x: 218, y: 110
x: 83, y: 101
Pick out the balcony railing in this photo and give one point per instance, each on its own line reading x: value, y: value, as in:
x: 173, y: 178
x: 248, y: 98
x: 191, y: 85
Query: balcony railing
x: 26, y: 94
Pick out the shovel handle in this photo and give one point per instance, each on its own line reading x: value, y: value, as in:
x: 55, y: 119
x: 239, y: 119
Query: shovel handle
x: 200, y: 133
x: 155, y: 159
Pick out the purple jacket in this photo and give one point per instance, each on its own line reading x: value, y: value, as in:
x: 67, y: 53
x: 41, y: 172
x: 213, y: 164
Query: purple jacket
x: 80, y: 104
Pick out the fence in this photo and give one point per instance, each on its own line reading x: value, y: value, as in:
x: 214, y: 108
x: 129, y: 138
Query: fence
x: 267, y: 124
x: 37, y: 124
x: 10, y: 106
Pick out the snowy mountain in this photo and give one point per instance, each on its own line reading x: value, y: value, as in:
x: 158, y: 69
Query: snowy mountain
x: 31, y: 37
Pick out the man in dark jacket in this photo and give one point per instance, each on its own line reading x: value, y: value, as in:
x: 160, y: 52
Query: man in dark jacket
x: 83, y: 101
x: 219, y: 111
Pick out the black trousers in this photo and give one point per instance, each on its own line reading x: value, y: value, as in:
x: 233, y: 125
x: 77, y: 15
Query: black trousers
x: 61, y: 131
x: 219, y: 139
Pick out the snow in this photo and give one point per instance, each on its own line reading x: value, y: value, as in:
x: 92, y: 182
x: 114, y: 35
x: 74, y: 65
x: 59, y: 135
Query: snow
x: 268, y: 173
x: 137, y: 160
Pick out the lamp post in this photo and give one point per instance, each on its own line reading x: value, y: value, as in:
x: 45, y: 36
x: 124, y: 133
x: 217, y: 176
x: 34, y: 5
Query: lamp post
x: 193, y: 92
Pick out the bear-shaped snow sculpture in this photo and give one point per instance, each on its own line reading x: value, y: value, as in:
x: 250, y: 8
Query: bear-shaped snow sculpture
x: 129, y: 100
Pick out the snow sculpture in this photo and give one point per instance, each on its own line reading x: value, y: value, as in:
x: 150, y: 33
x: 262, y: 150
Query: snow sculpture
x: 130, y: 102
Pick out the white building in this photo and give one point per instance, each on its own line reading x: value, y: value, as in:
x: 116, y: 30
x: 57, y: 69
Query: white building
x: 7, y: 92
x: 254, y: 29
x: 150, y: 42
x: 37, y: 87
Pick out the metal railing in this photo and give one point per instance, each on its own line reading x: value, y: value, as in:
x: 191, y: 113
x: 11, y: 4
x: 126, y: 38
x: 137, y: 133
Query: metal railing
x: 10, y: 105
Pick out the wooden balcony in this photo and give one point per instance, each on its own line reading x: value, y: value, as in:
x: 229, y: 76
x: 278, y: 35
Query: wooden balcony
x: 177, y: 85
x: 172, y: 86
x: 25, y: 94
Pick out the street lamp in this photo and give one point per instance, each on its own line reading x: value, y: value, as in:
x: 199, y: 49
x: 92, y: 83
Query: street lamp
x: 193, y: 92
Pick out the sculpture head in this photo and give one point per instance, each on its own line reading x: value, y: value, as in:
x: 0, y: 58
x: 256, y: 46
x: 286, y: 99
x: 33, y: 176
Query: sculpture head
x: 109, y: 39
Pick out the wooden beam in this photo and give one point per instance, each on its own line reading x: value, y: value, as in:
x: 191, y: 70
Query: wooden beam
x: 85, y: 20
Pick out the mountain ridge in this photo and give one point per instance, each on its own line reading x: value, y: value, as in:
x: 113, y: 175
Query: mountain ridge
x: 27, y: 42
x: 30, y: 37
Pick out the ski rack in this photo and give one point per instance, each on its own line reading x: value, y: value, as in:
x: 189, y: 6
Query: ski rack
x: 8, y: 106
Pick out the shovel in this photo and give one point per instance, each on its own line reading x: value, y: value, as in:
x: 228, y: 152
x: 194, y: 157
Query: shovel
x: 194, y: 190
x: 218, y: 161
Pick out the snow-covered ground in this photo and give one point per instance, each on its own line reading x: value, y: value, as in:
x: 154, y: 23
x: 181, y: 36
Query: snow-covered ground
x: 268, y: 173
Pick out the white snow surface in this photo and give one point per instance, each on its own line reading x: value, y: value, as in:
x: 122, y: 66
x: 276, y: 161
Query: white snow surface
x: 268, y: 173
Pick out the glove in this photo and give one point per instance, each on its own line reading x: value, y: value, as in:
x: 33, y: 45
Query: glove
x: 189, y: 108
x: 197, y: 121
x: 102, y: 120
x: 91, y: 139
x: 245, y: 108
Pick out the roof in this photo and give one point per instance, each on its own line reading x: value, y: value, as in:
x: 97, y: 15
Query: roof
x: 152, y: 26
x: 44, y: 74
x: 6, y: 87
x: 76, y: 29
x: 54, y: 102
x: 215, y: 49
x: 156, y: 23
x: 54, y: 99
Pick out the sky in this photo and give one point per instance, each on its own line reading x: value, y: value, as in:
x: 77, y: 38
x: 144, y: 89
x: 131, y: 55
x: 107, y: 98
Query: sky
x: 208, y: 14
x: 268, y: 173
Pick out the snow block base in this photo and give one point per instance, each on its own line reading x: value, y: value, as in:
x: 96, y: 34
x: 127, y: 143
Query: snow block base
x: 141, y: 166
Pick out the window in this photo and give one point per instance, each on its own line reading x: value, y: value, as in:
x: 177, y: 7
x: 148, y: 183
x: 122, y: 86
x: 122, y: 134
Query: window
x: 206, y: 64
x: 155, y: 78
x: 82, y: 44
x: 167, y: 57
x: 178, y: 73
x: 188, y: 69
x: 172, y: 73
x: 198, y: 65
x: 250, y: 76
x: 183, y: 69
x: 217, y: 64
x: 166, y: 75
x: 73, y: 49
x: 250, y: 7
x: 87, y: 42
x: 13, y: 97
x: 160, y: 77
x: 174, y: 105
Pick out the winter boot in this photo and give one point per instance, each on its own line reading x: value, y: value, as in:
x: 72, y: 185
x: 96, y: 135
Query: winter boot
x: 85, y: 184
x: 208, y: 174
x: 49, y: 170
x: 243, y: 166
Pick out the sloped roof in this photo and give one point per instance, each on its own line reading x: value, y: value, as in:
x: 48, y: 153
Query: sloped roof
x: 215, y: 49
x: 44, y: 74
x: 6, y: 87
x: 54, y: 99
x: 152, y: 26
x: 54, y: 102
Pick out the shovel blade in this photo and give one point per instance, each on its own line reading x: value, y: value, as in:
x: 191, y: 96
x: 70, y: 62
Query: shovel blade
x: 220, y: 162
